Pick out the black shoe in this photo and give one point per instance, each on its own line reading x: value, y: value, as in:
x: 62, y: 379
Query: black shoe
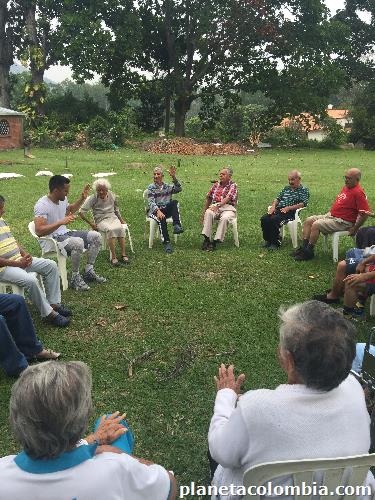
x: 265, y: 244
x: 272, y: 246
x: 323, y: 298
x: 304, y: 255
x: 296, y: 252
x: 205, y: 244
x: 63, y: 310
x: 177, y: 229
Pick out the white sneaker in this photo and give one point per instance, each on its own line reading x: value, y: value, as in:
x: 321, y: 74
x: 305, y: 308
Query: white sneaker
x: 77, y: 283
x: 92, y: 277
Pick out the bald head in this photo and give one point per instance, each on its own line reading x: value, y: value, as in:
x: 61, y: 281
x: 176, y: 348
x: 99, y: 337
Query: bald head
x: 352, y: 177
x: 294, y: 179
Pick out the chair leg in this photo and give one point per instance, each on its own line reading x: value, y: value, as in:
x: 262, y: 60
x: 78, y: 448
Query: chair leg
x: 325, y: 242
x: 153, y: 226
x: 61, y: 263
x: 335, y: 247
x: 130, y: 240
x: 372, y: 305
x: 235, y: 234
x: 293, y: 233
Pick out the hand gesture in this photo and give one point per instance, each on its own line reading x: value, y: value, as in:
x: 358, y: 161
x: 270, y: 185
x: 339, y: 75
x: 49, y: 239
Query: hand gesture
x: 160, y: 215
x: 284, y: 210
x: 68, y: 219
x: 85, y: 191
x: 109, y: 429
x: 226, y: 379
x: 271, y: 210
x: 214, y: 208
x: 361, y: 267
x: 366, y: 212
x: 172, y: 172
x: 355, y: 279
x: 25, y: 261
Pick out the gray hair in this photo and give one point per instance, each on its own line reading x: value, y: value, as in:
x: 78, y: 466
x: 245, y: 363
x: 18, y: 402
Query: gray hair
x: 229, y: 170
x: 296, y: 173
x: 159, y: 169
x: 321, y: 342
x: 101, y: 182
x: 50, y: 406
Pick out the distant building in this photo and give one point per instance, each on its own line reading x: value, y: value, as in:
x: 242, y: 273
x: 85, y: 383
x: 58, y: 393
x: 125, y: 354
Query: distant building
x: 11, y: 129
x: 316, y: 131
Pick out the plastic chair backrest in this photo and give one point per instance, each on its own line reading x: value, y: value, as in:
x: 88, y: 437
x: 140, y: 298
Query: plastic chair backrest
x: 327, y: 474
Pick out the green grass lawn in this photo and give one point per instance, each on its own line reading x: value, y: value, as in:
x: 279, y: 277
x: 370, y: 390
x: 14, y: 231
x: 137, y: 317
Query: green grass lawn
x: 193, y: 309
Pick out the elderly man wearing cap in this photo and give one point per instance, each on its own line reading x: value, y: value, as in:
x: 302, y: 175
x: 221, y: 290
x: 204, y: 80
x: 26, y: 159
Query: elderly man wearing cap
x: 161, y: 206
x: 346, y: 214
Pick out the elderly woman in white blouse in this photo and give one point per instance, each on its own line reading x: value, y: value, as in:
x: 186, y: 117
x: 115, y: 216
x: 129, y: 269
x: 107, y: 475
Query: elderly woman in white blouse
x: 319, y: 413
x: 107, y: 218
x: 50, y: 407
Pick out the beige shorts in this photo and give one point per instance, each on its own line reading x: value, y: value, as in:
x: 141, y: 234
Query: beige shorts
x: 328, y: 224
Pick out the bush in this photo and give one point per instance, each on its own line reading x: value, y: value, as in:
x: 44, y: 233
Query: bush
x: 98, y: 134
x: 194, y: 129
x: 123, y: 125
x: 287, y: 137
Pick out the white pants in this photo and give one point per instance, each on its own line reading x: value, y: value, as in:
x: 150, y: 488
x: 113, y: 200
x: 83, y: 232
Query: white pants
x: 48, y: 270
x: 226, y: 212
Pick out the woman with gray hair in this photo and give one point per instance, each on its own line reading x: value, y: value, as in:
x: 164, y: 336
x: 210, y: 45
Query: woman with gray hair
x: 319, y: 413
x: 50, y: 407
x: 107, y: 218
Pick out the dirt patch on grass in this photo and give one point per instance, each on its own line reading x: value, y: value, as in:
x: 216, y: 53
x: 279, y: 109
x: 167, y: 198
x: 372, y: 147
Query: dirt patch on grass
x: 185, y: 146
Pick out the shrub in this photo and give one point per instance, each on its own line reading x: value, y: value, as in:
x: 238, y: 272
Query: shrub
x: 98, y: 134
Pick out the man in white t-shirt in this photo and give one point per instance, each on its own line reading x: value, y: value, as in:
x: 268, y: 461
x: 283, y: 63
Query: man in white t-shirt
x: 52, y: 214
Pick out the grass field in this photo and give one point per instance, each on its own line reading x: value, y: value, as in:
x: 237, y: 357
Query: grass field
x: 193, y: 309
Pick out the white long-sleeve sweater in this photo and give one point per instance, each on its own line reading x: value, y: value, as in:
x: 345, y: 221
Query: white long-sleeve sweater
x: 289, y: 423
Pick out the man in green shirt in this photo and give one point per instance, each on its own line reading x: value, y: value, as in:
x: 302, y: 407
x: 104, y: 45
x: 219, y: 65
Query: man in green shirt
x: 283, y: 210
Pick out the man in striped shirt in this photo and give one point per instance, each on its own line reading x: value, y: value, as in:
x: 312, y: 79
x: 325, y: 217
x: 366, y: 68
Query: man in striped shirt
x: 161, y: 206
x: 283, y: 209
x: 18, y: 266
x: 220, y: 205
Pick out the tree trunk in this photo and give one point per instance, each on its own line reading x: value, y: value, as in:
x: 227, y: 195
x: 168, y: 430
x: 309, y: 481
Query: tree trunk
x: 6, y: 57
x: 167, y: 113
x: 37, y: 60
x: 181, y: 107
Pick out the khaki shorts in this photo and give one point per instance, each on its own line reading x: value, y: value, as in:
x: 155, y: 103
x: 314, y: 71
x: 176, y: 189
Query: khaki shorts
x: 328, y: 224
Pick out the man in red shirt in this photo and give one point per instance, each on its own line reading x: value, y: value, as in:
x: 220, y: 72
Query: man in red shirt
x: 220, y: 205
x: 344, y: 216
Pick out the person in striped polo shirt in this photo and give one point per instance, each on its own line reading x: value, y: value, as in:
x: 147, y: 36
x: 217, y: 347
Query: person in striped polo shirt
x: 161, y: 206
x: 18, y: 266
x: 283, y: 209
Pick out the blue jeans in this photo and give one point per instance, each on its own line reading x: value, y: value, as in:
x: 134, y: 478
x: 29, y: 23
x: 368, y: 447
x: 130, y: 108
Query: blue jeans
x: 360, y: 351
x: 18, y: 340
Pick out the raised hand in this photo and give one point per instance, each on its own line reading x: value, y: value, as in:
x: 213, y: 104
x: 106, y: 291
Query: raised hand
x: 227, y: 380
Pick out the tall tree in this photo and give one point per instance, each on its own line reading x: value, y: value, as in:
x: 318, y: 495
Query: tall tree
x: 7, y: 41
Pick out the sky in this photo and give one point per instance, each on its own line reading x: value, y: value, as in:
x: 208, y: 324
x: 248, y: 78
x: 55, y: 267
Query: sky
x: 59, y: 73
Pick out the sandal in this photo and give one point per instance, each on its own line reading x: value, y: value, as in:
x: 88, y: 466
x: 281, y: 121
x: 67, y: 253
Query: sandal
x: 47, y: 355
x: 115, y: 263
x: 125, y: 259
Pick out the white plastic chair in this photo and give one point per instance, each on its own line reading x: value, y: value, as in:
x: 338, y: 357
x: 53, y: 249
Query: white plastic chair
x: 292, y: 226
x: 154, y: 228
x: 7, y: 287
x: 335, y: 243
x: 334, y: 472
x: 61, y: 260
x: 105, y: 242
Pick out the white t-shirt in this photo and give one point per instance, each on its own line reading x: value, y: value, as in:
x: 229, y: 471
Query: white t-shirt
x: 52, y: 212
x: 108, y: 476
